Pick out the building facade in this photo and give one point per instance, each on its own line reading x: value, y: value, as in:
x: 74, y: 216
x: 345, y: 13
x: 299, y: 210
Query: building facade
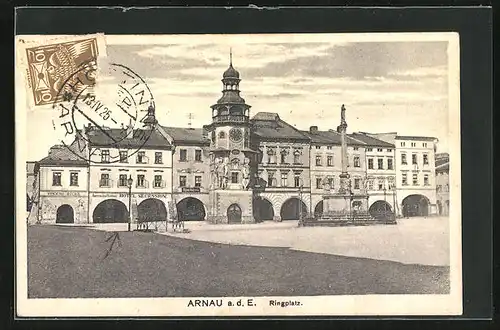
x: 236, y: 169
x: 443, y: 183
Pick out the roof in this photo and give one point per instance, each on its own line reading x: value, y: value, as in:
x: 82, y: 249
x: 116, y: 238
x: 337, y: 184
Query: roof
x: 441, y: 161
x: 231, y: 96
x: 268, y: 125
x: 182, y: 135
x: 115, y: 138
x: 417, y: 138
x: 329, y: 137
x: 231, y: 72
x: 371, y: 141
x: 445, y: 167
x: 62, y: 155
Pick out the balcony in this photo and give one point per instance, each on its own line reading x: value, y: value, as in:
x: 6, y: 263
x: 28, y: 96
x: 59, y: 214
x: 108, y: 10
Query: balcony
x: 230, y: 119
x: 159, y: 184
x: 142, y: 184
x: 105, y: 183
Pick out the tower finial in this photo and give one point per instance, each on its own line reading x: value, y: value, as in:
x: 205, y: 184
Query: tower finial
x: 230, y: 56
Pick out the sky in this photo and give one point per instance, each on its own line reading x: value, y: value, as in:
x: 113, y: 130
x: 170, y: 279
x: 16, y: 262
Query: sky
x: 386, y: 86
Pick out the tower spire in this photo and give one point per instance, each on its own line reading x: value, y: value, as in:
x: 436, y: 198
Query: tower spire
x: 231, y: 56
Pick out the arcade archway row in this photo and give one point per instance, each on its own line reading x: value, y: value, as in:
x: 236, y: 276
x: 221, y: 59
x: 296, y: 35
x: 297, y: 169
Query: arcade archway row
x: 290, y: 210
x: 149, y: 210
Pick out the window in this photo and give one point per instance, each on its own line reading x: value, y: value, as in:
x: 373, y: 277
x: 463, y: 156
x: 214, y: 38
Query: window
x: 331, y: 182
x: 369, y: 149
x: 357, y: 183
x: 413, y: 144
x: 380, y: 184
x: 426, y: 159
x: 197, y: 181
x: 370, y: 184
x: 414, y: 159
x: 415, y: 179
x: 403, y: 159
x: 271, y: 153
x: 318, y: 147
x: 296, y: 180
x: 296, y: 157
x: 404, y: 179
x: 380, y: 163
x: 234, y: 177
x: 284, y: 179
x: 424, y: 144
x: 402, y: 144
x: 356, y: 148
x: 104, y: 182
x: 158, y: 158
x: 182, y: 181
x: 56, y: 178
x: 356, y: 161
x: 197, y: 155
x: 73, y: 179
x: 124, y: 156
x: 426, y: 179
x: 158, y: 181
x: 122, y: 180
x: 140, y: 181
x: 380, y: 149
x: 270, y: 179
x: 105, y: 156
x: 389, y: 150
x: 329, y: 147
x: 183, y: 155
x: 283, y: 156
x: 222, y: 135
x: 141, y: 157
x: 390, y: 165
x: 329, y: 161
x: 319, y: 183
x: 318, y: 160
x: 370, y: 163
x: 438, y: 188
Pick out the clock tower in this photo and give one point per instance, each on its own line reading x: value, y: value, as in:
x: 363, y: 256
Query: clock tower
x: 231, y: 157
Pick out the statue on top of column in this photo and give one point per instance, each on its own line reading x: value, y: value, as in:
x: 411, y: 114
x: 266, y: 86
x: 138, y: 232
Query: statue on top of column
x: 342, y: 115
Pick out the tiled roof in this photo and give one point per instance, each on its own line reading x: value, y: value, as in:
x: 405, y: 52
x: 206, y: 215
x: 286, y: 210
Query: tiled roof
x: 114, y: 138
x: 441, y: 161
x: 187, y: 135
x: 445, y: 167
x: 371, y: 141
x: 270, y: 126
x: 60, y: 155
x: 417, y: 138
x: 329, y: 137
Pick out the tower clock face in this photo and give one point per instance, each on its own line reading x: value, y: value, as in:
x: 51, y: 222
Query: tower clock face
x: 236, y: 135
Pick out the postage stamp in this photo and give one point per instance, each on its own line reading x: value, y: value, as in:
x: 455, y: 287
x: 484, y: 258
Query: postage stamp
x: 49, y: 64
x: 269, y: 175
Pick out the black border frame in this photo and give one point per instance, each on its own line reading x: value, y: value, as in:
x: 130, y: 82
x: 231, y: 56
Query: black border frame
x: 474, y: 25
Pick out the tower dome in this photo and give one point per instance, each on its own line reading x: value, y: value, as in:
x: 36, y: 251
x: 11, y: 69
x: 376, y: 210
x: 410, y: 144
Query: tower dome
x: 231, y: 72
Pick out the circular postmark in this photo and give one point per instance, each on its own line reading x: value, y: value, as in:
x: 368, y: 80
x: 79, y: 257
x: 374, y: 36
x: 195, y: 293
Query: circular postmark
x: 104, y: 119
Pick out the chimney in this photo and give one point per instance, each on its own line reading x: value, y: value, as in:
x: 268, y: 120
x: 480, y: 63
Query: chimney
x: 313, y: 129
x: 130, y: 130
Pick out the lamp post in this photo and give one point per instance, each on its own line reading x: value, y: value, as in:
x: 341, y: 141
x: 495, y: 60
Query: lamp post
x: 351, y: 197
x: 129, y: 184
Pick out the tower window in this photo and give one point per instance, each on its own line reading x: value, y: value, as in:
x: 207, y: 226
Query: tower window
x: 234, y: 177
